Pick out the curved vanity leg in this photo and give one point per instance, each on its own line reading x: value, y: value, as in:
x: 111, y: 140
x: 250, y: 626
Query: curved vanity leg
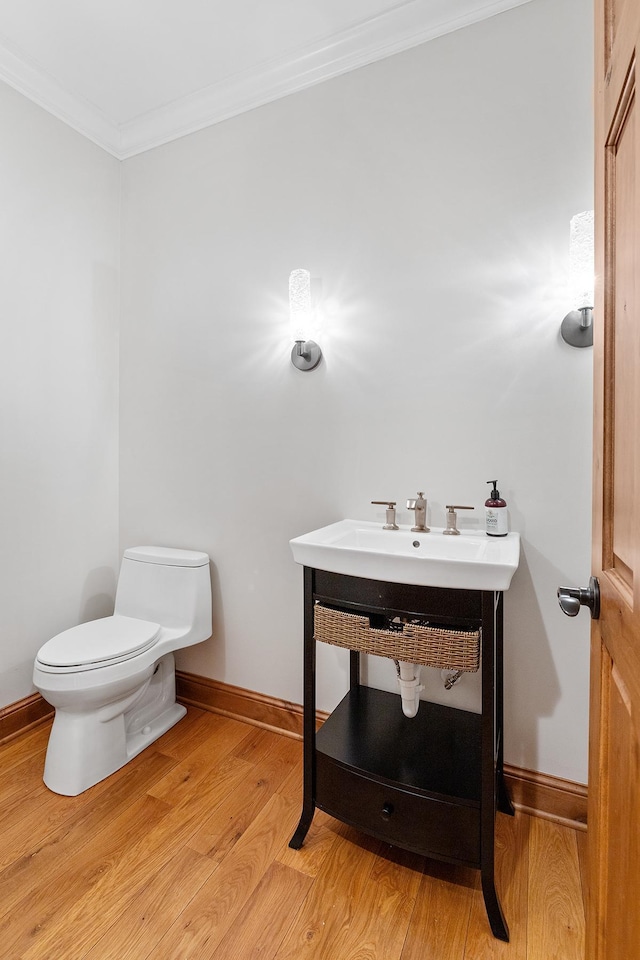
x: 309, y: 806
x: 301, y: 830
x: 494, y: 790
x: 308, y: 719
x: 497, y: 921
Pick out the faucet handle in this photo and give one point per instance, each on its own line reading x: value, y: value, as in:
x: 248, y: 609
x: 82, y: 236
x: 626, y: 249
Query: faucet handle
x: 391, y: 513
x: 452, y: 519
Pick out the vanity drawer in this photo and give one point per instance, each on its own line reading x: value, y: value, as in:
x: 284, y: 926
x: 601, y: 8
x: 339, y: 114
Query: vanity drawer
x: 424, y: 825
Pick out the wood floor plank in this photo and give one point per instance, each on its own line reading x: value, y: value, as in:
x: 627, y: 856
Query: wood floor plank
x: 31, y: 929
x: 146, y: 855
x: 555, y: 918
x: 30, y: 744
x: 333, y: 903
x: 184, y: 776
x: 439, y: 923
x: 36, y: 833
x: 227, y: 821
x: 292, y: 785
x: 266, y: 917
x: 186, y: 735
x: 319, y: 840
x: 261, y: 744
x: 172, y: 885
x: 379, y: 927
x: 211, y: 913
x: 512, y: 883
x: 146, y: 916
x: 16, y: 786
x: 184, y: 854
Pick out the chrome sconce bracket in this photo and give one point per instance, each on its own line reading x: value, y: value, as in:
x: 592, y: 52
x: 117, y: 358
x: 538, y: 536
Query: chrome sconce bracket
x: 577, y: 327
x: 306, y: 354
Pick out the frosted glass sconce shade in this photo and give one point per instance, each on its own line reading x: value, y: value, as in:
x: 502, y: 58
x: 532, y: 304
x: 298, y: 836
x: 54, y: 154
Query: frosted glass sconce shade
x: 581, y: 259
x: 300, y: 303
x: 306, y: 354
x: 577, y: 326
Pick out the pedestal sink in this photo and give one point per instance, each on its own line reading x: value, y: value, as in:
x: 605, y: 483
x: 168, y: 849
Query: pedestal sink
x: 360, y: 548
x: 430, y: 781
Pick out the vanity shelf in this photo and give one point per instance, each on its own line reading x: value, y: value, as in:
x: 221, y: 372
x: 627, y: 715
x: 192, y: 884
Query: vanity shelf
x: 429, y: 784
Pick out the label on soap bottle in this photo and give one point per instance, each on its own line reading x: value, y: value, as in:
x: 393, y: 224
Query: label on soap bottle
x: 496, y: 523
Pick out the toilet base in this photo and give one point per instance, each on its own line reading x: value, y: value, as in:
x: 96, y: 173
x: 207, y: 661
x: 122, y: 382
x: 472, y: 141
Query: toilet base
x: 87, y: 746
x: 137, y: 742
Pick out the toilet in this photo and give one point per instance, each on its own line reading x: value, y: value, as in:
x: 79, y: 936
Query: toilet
x: 112, y: 681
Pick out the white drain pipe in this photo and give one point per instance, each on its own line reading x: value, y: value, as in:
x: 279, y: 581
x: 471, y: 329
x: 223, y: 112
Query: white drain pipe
x: 410, y: 686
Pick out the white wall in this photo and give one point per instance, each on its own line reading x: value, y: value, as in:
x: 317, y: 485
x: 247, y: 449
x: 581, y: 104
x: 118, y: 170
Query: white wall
x: 59, y: 250
x: 431, y: 194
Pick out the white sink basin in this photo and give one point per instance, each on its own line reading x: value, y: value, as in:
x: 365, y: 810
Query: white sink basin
x: 359, y: 548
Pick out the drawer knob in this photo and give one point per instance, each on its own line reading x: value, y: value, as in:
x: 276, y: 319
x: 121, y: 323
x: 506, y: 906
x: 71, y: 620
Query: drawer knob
x: 387, y: 810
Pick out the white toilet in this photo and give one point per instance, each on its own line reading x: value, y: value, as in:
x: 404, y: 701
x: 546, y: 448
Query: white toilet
x: 112, y: 681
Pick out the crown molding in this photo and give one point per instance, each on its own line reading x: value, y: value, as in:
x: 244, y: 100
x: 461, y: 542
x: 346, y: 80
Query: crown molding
x: 404, y: 26
x: 27, y: 77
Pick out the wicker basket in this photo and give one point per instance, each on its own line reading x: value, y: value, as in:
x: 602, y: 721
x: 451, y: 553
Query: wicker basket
x: 411, y: 642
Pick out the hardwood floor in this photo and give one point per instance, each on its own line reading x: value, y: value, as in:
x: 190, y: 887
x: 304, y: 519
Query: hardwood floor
x: 183, y: 854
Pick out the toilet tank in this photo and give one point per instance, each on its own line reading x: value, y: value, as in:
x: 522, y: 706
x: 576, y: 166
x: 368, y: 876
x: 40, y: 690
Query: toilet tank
x: 167, y: 586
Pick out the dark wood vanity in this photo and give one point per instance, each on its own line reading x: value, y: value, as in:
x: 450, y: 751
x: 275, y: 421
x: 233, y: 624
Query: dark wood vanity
x: 430, y: 784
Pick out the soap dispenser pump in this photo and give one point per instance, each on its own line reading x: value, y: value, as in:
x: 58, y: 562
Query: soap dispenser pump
x: 495, y: 513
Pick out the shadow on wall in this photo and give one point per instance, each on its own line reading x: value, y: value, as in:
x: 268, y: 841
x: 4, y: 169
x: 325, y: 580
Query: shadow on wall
x: 207, y: 659
x: 531, y: 683
x: 98, y: 595
x: 218, y: 633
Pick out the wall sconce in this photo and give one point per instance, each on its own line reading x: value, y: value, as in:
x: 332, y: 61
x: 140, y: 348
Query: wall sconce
x: 577, y: 326
x: 306, y: 354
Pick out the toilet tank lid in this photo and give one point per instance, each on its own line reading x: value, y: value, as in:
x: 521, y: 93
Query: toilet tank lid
x: 169, y: 556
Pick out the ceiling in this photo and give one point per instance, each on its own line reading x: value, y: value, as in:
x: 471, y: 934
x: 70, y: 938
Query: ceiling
x: 132, y: 74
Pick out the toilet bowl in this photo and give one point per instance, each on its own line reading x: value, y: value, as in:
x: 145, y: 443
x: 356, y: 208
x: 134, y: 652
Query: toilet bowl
x: 112, y: 681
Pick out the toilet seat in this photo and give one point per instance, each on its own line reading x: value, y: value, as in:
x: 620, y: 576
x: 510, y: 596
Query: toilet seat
x: 98, y: 643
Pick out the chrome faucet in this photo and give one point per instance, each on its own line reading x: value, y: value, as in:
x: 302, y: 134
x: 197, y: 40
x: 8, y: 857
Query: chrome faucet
x: 420, y: 507
x: 391, y: 513
x: 452, y: 519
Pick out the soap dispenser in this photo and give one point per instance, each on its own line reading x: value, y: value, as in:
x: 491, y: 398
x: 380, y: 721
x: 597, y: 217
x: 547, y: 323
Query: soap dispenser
x: 495, y: 513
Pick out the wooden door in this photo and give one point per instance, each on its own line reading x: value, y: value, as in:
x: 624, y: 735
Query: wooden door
x: 613, y: 929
